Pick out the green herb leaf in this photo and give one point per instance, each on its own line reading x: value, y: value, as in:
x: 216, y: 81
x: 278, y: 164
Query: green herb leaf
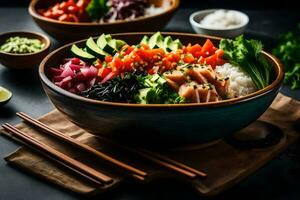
x: 247, y: 55
x: 287, y: 51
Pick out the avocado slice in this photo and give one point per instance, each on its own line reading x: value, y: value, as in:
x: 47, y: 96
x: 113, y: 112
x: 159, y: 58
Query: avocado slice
x: 156, y: 41
x: 120, y: 44
x: 93, y: 49
x: 145, y: 40
x: 103, y: 43
x: 5, y: 96
x: 167, y: 43
x: 81, y: 53
x: 175, y: 45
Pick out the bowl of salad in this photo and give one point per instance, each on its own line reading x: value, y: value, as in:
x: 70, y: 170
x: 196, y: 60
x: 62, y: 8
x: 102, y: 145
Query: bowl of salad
x: 70, y: 20
x: 161, y: 88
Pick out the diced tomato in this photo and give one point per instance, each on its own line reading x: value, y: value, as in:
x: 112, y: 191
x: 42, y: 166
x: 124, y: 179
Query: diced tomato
x: 212, y: 60
x: 103, y: 72
x: 73, y: 18
x: 151, y: 71
x: 64, y: 17
x: 128, y: 63
x: 188, y: 58
x: 208, y: 48
x: 72, y: 9
x: 108, y: 58
x: 117, y: 64
x: 129, y: 49
x: 151, y: 55
x: 64, y: 5
x: 108, y: 77
x: 219, y: 53
x: 195, y: 50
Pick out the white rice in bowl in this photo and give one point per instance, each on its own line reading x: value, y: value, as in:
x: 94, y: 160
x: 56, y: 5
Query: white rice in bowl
x: 240, y: 83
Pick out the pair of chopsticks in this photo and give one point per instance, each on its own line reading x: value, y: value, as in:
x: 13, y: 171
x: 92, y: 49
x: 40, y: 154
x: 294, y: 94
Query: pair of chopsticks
x: 63, y: 159
x: 162, y: 161
x: 89, y: 172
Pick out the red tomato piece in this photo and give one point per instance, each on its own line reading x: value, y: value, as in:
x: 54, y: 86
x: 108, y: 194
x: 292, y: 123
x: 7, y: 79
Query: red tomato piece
x: 211, y: 60
x: 219, y: 53
x: 208, y: 48
x: 103, y: 72
x: 195, y: 50
x: 108, y: 59
x: 188, y: 58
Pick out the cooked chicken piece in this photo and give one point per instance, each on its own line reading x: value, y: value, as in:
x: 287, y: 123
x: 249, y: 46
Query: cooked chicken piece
x: 187, y: 90
x: 176, y: 76
x: 198, y: 83
x: 196, y: 75
x: 172, y: 84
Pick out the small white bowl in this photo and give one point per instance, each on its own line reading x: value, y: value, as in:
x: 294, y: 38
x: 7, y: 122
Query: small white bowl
x: 229, y: 32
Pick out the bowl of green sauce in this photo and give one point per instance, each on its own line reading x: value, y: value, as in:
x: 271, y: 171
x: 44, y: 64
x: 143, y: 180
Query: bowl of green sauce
x: 23, y: 50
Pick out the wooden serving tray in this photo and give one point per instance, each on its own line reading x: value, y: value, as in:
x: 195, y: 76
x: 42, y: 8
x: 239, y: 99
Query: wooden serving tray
x: 225, y: 163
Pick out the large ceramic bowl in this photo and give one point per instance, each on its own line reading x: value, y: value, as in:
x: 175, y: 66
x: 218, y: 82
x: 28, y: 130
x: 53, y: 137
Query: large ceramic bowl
x: 70, y: 31
x: 159, y: 123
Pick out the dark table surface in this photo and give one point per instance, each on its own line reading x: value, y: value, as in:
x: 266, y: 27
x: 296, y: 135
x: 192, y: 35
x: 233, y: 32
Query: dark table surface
x: 275, y: 181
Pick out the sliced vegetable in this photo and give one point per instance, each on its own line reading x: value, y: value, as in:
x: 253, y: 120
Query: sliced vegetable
x: 81, y: 53
x: 103, y: 43
x: 93, y: 49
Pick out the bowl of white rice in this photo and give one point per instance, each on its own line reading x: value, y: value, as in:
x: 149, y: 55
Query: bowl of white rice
x: 219, y: 22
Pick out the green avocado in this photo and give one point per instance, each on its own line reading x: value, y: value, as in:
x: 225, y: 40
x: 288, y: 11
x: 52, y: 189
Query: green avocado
x: 145, y: 40
x: 104, y: 43
x: 175, y: 45
x: 93, y: 49
x: 81, y: 53
x: 156, y: 41
x: 167, y: 43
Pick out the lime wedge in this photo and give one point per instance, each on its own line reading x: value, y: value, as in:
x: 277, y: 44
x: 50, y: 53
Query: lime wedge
x: 5, y: 95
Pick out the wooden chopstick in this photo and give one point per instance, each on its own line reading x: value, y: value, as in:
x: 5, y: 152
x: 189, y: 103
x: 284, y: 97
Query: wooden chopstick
x: 72, y: 163
x: 168, y: 163
x: 139, y: 174
x: 161, y: 157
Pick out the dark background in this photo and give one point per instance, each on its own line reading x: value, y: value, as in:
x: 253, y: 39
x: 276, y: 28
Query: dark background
x: 233, y: 4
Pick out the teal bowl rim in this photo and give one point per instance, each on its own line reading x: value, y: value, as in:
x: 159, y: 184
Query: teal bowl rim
x: 275, y: 85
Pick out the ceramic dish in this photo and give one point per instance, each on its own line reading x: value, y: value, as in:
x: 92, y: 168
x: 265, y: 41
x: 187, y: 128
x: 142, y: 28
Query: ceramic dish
x: 229, y: 32
x: 27, y: 60
x: 70, y: 31
x: 159, y: 123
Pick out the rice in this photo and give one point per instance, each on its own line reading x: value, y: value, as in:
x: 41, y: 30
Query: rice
x: 221, y: 19
x: 240, y: 83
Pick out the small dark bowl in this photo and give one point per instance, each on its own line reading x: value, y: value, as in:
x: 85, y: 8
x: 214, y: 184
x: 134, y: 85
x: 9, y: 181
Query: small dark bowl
x: 26, y: 60
x: 71, y: 31
x: 156, y: 124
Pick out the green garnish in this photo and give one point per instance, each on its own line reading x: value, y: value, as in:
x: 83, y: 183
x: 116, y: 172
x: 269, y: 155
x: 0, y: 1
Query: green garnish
x: 247, y: 55
x: 156, y: 91
x: 287, y: 51
x: 21, y: 45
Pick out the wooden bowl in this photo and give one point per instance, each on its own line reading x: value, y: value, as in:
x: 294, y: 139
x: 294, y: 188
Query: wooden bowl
x: 70, y: 31
x: 27, y: 60
x: 156, y: 124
